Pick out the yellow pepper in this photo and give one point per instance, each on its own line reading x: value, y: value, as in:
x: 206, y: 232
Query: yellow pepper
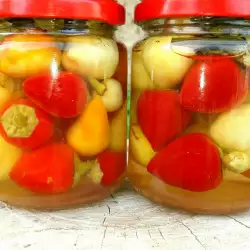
x: 5, y: 97
x: 9, y: 155
x: 23, y: 56
x: 140, y: 147
x: 118, y: 130
x: 10, y: 89
x: 90, y: 134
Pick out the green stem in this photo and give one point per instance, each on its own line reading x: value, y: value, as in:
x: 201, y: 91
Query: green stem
x: 237, y: 162
x: 19, y: 121
x: 96, y: 174
x: 100, y: 88
x: 82, y: 168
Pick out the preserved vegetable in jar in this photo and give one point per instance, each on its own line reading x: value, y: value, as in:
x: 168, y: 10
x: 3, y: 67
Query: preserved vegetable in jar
x: 63, y: 99
x: 190, y: 109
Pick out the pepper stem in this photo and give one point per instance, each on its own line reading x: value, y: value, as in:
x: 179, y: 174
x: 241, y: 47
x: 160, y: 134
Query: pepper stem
x: 19, y: 121
x: 237, y: 162
x: 99, y: 87
x: 96, y: 174
x: 81, y: 168
x: 246, y: 59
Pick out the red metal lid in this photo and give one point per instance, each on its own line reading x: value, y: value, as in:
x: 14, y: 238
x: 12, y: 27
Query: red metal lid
x: 152, y: 9
x: 108, y: 11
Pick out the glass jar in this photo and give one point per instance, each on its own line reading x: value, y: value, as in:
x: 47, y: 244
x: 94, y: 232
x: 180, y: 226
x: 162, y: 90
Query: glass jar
x: 190, y: 106
x: 62, y: 103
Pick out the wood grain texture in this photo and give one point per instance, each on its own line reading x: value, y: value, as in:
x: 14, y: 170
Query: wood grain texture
x: 125, y: 221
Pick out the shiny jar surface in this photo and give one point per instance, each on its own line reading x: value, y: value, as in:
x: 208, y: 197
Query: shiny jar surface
x: 190, y: 114
x: 63, y: 108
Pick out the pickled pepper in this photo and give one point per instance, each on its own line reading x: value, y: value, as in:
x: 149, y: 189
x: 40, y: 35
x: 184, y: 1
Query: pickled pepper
x: 25, y: 125
x: 48, y: 170
x: 63, y: 95
x: 213, y: 86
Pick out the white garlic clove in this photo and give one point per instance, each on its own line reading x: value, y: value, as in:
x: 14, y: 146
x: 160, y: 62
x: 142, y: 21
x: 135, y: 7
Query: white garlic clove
x: 231, y: 129
x: 165, y: 67
x: 91, y: 56
x: 113, y: 95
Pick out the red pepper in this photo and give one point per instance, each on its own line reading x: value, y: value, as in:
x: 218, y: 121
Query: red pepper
x: 25, y: 125
x: 63, y: 96
x: 214, y: 86
x: 161, y: 116
x: 191, y: 162
x: 47, y: 170
x: 113, y: 165
x: 108, y: 168
x: 122, y: 68
x: 246, y: 173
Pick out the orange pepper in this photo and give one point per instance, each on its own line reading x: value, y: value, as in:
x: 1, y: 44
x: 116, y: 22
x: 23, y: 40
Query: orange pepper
x: 89, y: 135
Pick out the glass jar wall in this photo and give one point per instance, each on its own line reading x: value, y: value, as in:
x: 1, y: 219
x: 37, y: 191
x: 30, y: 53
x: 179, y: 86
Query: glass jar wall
x: 190, y: 114
x: 62, y: 112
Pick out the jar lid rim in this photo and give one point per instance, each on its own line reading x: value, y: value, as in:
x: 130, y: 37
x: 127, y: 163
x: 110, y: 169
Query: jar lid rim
x: 108, y: 11
x: 148, y: 9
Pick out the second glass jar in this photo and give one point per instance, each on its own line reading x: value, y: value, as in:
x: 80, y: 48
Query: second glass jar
x: 190, y: 114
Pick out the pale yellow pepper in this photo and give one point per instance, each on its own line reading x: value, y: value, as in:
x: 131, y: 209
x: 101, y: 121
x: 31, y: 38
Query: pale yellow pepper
x: 118, y: 130
x: 10, y: 89
x: 140, y: 147
x: 5, y: 97
x: 27, y: 55
x: 9, y: 155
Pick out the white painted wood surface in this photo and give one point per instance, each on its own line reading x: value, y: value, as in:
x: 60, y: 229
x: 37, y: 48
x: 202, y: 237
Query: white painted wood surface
x: 125, y: 222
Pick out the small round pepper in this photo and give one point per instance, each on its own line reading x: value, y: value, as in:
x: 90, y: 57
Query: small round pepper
x: 161, y: 116
x: 108, y: 167
x: 213, y: 86
x: 25, y: 125
x: 191, y: 162
x: 63, y: 95
x: 48, y: 170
